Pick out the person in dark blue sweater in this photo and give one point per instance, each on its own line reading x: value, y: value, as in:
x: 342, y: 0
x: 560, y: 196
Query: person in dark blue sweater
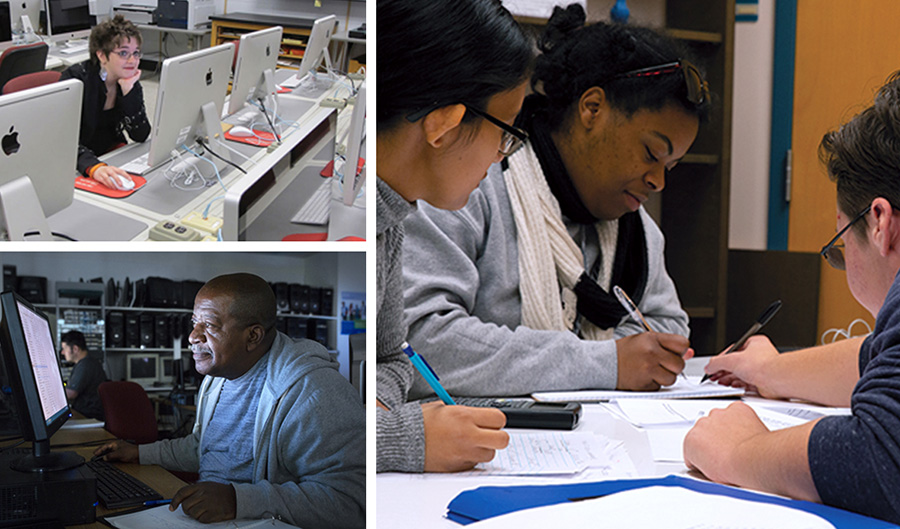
x: 851, y: 462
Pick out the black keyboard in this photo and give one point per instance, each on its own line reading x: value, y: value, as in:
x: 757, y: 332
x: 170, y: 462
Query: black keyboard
x: 117, y: 489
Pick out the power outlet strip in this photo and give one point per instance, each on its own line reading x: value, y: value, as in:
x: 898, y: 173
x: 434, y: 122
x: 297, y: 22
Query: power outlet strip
x: 168, y: 230
x: 331, y: 102
x: 356, y: 76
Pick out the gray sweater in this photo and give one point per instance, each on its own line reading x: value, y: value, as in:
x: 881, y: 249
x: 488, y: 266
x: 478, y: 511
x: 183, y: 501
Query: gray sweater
x: 464, y: 311
x: 309, y: 442
x: 400, y: 439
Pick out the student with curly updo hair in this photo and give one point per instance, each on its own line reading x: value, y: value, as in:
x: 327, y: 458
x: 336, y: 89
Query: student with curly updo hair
x: 513, y: 293
x: 445, y: 114
x: 113, y: 100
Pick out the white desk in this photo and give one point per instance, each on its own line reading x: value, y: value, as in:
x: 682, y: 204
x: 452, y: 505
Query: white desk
x: 420, y: 500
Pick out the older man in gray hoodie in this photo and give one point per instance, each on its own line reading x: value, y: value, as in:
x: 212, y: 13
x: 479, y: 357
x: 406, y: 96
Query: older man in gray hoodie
x: 278, y: 433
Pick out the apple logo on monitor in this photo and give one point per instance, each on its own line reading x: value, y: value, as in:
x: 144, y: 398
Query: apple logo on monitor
x: 209, y: 77
x: 10, y: 142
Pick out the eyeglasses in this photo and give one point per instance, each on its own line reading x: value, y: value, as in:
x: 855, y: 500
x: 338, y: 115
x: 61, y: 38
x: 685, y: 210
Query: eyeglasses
x: 125, y: 54
x: 834, y: 253
x: 697, y: 87
x: 513, y: 137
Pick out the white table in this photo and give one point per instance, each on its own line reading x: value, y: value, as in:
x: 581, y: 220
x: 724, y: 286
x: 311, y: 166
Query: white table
x: 420, y: 500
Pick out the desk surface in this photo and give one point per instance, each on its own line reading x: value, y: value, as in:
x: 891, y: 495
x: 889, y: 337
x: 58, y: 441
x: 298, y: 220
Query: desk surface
x: 432, y: 492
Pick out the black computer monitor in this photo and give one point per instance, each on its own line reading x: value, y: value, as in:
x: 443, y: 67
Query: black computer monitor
x: 68, y: 19
x: 26, y: 344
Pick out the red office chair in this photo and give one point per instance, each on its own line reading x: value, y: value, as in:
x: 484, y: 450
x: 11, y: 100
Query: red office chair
x: 129, y: 413
x: 19, y: 60
x: 31, y: 80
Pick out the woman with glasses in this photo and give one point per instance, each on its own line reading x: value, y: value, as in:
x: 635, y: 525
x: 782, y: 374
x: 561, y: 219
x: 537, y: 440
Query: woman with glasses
x: 112, y: 101
x: 513, y: 293
x: 445, y: 109
x: 849, y: 461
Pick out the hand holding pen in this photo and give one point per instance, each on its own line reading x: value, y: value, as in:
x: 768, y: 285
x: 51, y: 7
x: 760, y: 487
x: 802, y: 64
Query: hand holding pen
x: 657, y: 358
x: 757, y: 325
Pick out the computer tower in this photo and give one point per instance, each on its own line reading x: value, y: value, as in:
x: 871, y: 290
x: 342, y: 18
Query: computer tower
x: 281, y: 324
x: 115, y: 329
x: 282, y: 297
x: 318, y: 330
x: 189, y: 291
x: 294, y: 294
x: 9, y: 277
x: 163, y: 336
x: 33, y: 288
x: 296, y: 328
x: 161, y: 293
x: 304, y: 299
x: 315, y: 294
x: 132, y: 329
x: 326, y: 303
x: 148, y: 330
x: 29, y: 498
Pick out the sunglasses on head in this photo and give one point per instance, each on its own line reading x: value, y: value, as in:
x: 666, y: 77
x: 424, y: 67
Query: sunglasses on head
x: 697, y: 87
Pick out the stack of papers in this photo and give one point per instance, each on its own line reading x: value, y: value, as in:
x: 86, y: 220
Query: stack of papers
x: 685, y: 387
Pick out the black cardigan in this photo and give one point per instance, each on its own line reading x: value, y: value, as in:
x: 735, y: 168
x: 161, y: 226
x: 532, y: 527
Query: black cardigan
x: 129, y: 114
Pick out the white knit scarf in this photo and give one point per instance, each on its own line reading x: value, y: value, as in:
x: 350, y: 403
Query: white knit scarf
x: 550, y: 263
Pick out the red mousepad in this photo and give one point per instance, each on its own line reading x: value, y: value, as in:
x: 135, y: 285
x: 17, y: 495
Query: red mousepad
x: 328, y: 170
x: 94, y: 186
x: 265, y: 138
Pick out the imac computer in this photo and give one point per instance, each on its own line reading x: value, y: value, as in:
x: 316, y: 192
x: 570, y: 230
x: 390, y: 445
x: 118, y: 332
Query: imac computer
x: 188, y: 105
x: 26, y: 344
x: 142, y: 368
x: 68, y: 20
x: 317, y: 49
x: 254, y: 70
x: 37, y: 161
x: 353, y: 176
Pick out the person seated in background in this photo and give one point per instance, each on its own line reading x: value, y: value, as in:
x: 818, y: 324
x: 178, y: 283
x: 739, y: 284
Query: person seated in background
x: 851, y: 462
x: 112, y: 100
x: 279, y: 432
x: 513, y: 293
x: 86, y: 377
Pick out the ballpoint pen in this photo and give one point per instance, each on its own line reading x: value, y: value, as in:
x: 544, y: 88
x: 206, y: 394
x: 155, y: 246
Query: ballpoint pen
x: 153, y: 503
x: 427, y: 373
x: 634, y: 312
x: 762, y: 320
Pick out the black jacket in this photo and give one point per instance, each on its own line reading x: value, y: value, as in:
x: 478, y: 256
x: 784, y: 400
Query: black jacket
x: 129, y: 114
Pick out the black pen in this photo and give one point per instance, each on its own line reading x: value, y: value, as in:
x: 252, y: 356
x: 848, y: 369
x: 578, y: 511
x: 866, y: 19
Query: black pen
x: 762, y: 320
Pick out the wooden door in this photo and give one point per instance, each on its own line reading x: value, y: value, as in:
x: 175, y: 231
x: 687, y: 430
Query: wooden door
x: 845, y: 51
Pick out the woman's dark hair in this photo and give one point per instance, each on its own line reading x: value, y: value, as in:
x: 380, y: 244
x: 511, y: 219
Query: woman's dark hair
x: 575, y: 57
x: 863, y: 156
x: 110, y: 34
x: 435, y: 53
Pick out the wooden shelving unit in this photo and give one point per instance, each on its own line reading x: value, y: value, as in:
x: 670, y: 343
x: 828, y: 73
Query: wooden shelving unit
x: 229, y: 28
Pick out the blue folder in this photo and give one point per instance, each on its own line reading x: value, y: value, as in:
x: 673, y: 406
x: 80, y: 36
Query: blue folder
x: 486, y: 502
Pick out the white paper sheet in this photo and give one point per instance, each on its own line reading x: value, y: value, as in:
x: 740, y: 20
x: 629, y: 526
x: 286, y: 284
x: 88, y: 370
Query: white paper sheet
x: 536, y: 8
x: 670, y: 507
x: 162, y: 518
x: 684, y: 388
x: 556, y: 453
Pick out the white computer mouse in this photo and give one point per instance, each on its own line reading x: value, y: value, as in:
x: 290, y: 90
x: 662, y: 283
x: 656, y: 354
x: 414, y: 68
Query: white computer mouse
x: 123, y: 184
x: 239, y: 131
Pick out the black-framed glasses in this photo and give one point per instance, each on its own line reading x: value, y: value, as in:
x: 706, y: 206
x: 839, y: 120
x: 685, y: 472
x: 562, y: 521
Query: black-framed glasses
x: 832, y: 252
x: 697, y: 87
x: 513, y: 137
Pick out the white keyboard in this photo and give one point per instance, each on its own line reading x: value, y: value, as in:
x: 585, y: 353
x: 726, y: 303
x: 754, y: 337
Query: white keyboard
x: 317, y: 208
x: 71, y: 49
x: 138, y: 166
x: 291, y: 82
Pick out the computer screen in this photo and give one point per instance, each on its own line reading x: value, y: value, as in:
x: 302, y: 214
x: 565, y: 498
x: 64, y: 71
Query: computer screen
x: 142, y: 368
x: 353, y: 176
x: 257, y: 53
x: 317, y: 45
x: 37, y: 161
x: 28, y: 352
x: 190, y: 99
x: 68, y: 19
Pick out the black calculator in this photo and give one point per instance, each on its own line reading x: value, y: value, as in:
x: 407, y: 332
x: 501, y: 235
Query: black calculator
x: 527, y: 413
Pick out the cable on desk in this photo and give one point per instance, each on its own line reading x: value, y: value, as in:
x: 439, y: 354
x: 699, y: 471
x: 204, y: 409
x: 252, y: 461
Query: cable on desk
x: 53, y: 233
x: 229, y: 162
x: 262, y: 104
x: 207, y: 160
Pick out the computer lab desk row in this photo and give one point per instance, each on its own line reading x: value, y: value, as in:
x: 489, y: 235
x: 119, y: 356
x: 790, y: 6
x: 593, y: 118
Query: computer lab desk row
x: 158, y: 478
x: 278, y: 181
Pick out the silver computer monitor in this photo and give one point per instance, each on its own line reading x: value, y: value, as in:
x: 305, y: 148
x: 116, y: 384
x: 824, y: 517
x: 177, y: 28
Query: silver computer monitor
x: 38, y: 149
x: 255, y: 66
x: 190, y: 99
x: 353, y: 177
x: 317, y: 45
x: 68, y: 19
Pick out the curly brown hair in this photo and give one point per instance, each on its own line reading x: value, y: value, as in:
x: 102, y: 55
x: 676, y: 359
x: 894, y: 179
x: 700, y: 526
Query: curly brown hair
x: 109, y: 35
